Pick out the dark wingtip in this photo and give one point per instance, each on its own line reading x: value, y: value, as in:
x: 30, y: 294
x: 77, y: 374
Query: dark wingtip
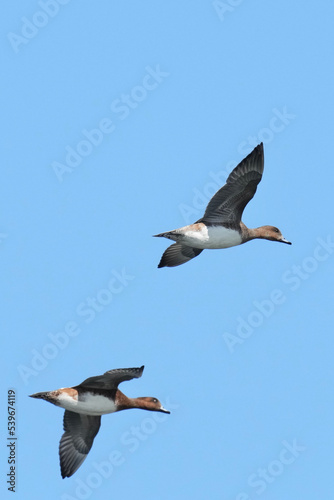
x: 65, y: 474
x: 259, y: 148
x: 161, y: 263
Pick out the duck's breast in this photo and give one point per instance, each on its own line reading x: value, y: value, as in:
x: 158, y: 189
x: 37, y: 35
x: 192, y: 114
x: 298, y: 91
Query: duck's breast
x: 202, y: 236
x: 88, y: 403
x: 222, y: 237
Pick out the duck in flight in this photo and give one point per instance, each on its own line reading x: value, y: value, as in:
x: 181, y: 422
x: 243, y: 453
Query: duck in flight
x: 221, y: 225
x: 84, y: 404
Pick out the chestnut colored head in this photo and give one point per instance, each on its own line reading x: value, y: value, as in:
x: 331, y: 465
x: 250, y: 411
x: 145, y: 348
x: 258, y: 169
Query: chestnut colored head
x: 271, y: 233
x: 151, y: 404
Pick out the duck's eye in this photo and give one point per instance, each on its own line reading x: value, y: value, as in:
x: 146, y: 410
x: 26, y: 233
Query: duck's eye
x: 154, y: 400
x: 276, y: 230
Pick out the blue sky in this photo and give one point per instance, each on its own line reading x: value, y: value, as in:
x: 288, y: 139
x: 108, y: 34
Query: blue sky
x: 120, y: 121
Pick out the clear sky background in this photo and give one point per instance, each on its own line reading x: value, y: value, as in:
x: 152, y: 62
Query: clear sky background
x: 120, y: 120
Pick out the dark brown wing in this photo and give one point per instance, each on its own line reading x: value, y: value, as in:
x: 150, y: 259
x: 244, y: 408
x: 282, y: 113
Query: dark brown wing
x: 80, y: 431
x: 111, y: 379
x: 228, y: 204
x: 178, y: 254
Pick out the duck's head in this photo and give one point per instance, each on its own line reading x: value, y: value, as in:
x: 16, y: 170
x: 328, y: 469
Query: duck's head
x: 151, y: 404
x: 271, y: 233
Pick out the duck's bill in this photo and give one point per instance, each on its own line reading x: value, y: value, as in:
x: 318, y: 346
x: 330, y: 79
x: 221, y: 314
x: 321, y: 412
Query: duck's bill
x: 163, y: 410
x: 283, y: 240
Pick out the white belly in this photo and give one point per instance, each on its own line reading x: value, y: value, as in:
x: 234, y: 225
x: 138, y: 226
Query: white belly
x: 212, y: 237
x: 88, y: 404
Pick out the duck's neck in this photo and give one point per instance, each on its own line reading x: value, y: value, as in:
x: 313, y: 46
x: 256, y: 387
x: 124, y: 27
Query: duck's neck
x: 255, y: 232
x: 250, y: 233
x: 125, y: 403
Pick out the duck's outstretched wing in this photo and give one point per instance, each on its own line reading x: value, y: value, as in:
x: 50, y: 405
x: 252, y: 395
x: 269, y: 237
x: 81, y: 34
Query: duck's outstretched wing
x: 178, y: 254
x: 110, y: 380
x: 228, y: 204
x: 77, y: 440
